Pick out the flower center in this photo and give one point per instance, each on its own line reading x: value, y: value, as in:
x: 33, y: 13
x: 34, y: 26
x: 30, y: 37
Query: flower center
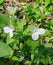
x: 35, y: 30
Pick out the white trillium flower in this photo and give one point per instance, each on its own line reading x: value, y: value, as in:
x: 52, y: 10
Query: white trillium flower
x: 35, y: 36
x: 41, y: 31
x: 11, y: 34
x: 36, y: 32
x: 9, y: 30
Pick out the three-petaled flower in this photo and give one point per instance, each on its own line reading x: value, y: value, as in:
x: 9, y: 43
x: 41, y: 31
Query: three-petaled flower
x: 36, y: 32
x: 9, y: 29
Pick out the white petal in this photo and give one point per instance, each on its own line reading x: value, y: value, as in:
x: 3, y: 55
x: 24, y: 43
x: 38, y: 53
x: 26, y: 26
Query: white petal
x: 33, y: 28
x: 11, y: 28
x: 6, y: 29
x: 35, y: 36
x: 41, y: 31
x: 11, y: 34
x: 8, y: 8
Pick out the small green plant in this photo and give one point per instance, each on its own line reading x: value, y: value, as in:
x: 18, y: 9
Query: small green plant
x: 27, y: 38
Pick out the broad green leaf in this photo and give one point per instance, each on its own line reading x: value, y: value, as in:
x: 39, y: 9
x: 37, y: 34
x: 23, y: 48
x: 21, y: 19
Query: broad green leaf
x: 41, y: 10
x: 27, y: 30
x: 4, y: 19
x: 47, y: 32
x: 50, y: 22
x: 21, y: 46
x: 21, y: 59
x: 28, y: 62
x: 50, y: 8
x: 20, y: 25
x: 47, y: 1
x: 36, y: 61
x: 32, y: 44
x: 32, y: 57
x: 45, y: 61
x: 12, y: 10
x: 5, y: 50
x: 52, y: 1
x: 14, y: 58
x: 9, y: 40
x: 52, y: 62
x: 1, y: 1
x: 48, y: 45
x: 17, y: 59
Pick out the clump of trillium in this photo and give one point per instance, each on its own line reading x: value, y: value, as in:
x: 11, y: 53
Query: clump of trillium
x: 9, y: 30
x: 36, y: 32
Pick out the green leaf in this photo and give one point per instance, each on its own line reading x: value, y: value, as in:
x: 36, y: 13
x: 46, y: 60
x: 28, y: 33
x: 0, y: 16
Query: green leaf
x: 5, y: 50
x: 12, y: 10
x: 47, y: 1
x: 32, y: 44
x: 41, y: 10
x: 52, y: 1
x: 17, y: 63
x: 20, y: 24
x: 1, y: 1
x: 4, y: 20
x: 36, y: 61
x: 48, y: 45
x: 17, y: 59
x: 50, y: 22
x: 9, y: 40
x: 21, y: 59
x: 28, y: 62
x: 21, y: 46
x: 45, y: 61
x: 14, y: 58
x: 27, y: 30
x: 52, y: 62
x: 47, y: 32
x: 50, y: 8
x: 32, y: 57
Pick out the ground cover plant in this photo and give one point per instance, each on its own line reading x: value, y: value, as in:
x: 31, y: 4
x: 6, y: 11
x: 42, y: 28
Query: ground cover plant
x: 26, y: 32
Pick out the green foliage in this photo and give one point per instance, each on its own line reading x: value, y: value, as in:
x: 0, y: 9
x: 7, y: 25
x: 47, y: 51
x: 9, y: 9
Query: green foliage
x: 5, y: 50
x: 20, y: 24
x: 12, y: 10
x: 4, y: 19
x: 2, y: 63
x: 1, y: 1
x: 21, y: 48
